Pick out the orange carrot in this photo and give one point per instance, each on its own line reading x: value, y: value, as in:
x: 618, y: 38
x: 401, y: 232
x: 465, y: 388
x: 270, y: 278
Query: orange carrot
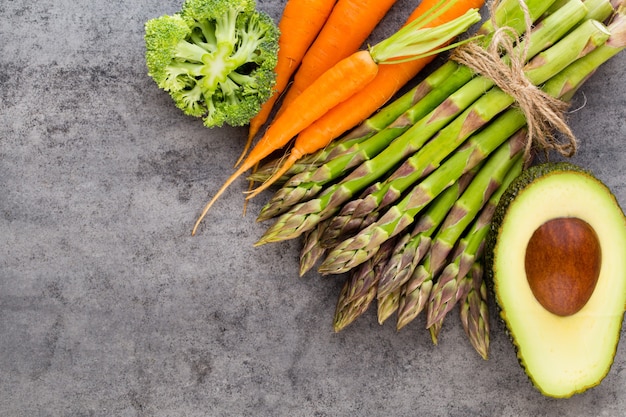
x: 339, y: 83
x: 347, y: 27
x: 357, y: 108
x: 299, y: 25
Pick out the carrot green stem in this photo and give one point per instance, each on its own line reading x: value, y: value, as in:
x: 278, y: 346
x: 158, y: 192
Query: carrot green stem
x: 416, y: 41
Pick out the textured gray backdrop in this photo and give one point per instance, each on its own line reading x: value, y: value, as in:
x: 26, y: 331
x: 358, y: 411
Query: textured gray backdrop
x: 108, y: 307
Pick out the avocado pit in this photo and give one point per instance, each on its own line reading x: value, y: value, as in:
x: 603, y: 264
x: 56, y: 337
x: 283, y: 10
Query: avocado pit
x: 562, y: 263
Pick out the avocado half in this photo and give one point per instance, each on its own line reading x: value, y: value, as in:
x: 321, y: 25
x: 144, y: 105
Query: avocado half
x: 556, y: 262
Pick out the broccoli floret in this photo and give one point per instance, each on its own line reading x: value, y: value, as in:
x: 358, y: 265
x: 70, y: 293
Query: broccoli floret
x: 216, y: 58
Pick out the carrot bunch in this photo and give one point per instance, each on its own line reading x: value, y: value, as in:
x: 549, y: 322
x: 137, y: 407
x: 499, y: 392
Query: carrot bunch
x: 431, y: 26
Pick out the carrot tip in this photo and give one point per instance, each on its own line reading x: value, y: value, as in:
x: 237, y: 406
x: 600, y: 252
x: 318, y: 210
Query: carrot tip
x: 291, y: 159
x: 217, y: 195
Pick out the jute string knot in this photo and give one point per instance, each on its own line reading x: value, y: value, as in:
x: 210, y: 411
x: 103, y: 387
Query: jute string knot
x: 544, y: 114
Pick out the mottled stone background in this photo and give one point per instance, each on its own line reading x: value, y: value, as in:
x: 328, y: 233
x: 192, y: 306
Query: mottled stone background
x: 108, y: 307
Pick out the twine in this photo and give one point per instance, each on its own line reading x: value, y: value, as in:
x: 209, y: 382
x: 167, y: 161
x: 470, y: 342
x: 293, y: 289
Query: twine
x: 544, y: 114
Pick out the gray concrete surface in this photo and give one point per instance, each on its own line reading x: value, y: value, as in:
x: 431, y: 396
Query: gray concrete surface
x: 108, y: 307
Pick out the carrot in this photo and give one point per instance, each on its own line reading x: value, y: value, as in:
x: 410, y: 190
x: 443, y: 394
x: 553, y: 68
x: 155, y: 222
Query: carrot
x: 339, y: 83
x: 347, y: 27
x: 357, y: 108
x: 299, y: 25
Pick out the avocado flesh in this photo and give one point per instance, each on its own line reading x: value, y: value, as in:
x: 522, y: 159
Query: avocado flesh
x: 562, y: 355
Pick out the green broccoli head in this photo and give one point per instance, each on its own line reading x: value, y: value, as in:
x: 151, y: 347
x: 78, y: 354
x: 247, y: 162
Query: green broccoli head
x: 216, y: 58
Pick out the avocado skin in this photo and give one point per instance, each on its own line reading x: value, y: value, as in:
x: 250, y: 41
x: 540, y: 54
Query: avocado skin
x: 529, y: 176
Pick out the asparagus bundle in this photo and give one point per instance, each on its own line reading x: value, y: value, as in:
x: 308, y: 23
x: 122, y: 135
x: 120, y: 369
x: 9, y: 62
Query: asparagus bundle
x: 427, y: 181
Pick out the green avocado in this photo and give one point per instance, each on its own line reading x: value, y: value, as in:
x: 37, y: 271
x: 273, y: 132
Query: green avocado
x: 556, y: 263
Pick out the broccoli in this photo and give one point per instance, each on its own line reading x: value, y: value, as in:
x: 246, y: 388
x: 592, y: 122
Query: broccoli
x: 216, y: 58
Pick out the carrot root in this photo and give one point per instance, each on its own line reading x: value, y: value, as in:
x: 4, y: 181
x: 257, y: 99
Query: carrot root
x: 293, y: 157
x: 219, y: 193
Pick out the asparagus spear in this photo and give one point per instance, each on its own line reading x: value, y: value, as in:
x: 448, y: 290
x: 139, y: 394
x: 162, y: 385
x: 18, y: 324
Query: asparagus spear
x: 414, y: 294
x: 388, y: 304
x: 475, y: 196
x: 311, y: 250
x: 303, y: 186
x: 357, y: 249
x: 445, y: 292
x: 368, y: 274
x: 346, y: 313
x: 474, y: 311
x: 360, y: 289
x: 304, y: 216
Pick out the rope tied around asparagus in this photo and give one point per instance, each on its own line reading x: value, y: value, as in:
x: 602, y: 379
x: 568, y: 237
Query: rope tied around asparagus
x: 544, y: 114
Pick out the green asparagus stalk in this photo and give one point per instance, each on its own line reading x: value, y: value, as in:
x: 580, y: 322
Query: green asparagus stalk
x: 305, y: 215
x: 360, y: 289
x: 490, y: 175
x: 455, y: 75
x: 414, y: 294
x: 445, y: 292
x: 474, y: 311
x: 357, y: 249
x: 311, y: 251
x: 368, y: 273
